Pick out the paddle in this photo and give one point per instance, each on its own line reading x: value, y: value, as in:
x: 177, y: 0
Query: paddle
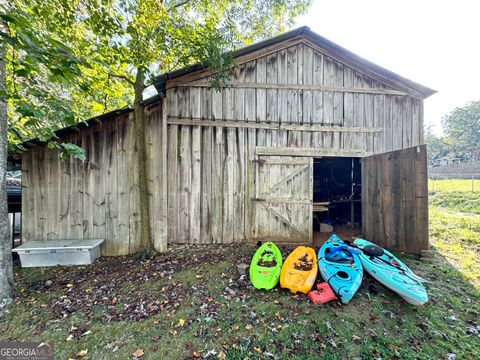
x: 376, y: 252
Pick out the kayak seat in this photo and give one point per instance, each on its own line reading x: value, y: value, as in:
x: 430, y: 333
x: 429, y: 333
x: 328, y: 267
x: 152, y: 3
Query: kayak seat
x: 373, y: 250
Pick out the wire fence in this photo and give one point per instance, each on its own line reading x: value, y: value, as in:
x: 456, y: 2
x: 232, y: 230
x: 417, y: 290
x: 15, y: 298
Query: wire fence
x: 454, y: 182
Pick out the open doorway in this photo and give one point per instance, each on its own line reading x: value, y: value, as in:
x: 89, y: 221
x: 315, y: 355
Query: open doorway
x: 337, y: 203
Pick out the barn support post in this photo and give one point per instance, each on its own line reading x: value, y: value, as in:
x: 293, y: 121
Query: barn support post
x: 160, y: 242
x: 146, y: 245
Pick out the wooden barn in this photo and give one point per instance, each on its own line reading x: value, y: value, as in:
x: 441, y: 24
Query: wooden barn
x: 307, y: 134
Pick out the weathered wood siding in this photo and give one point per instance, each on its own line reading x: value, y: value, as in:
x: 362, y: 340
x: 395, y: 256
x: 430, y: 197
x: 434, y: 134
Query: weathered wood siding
x: 95, y: 198
x: 395, y: 199
x: 291, y: 97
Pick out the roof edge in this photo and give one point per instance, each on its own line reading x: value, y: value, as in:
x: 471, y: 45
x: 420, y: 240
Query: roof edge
x: 93, y: 120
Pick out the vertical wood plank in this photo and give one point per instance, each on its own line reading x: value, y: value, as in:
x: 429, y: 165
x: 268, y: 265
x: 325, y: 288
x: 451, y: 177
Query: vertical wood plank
x: 133, y: 187
x: 307, y: 94
x: 388, y: 125
x: 348, y: 107
x: 282, y: 96
x: 217, y: 164
x: 111, y: 193
x: 261, y: 115
x: 292, y: 95
x: 239, y: 185
x: 229, y: 169
x: 207, y: 195
x: 328, y: 99
x: 338, y: 105
x: 98, y: 191
x: 369, y: 115
x: 318, y: 119
x: 379, y: 121
x: 397, y: 118
x: 28, y: 197
x: 89, y: 185
x: 358, y: 142
x: 250, y: 113
x: 52, y: 193
x: 421, y: 199
x: 163, y: 236
x: 196, y: 182
x: 407, y: 122
x: 123, y: 198
x: 172, y: 159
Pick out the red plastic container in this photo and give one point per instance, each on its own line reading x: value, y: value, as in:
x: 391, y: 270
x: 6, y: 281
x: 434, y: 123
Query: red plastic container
x: 323, y: 294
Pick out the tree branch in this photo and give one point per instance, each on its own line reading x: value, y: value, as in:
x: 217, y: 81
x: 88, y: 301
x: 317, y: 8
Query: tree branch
x: 121, y: 76
x: 180, y: 4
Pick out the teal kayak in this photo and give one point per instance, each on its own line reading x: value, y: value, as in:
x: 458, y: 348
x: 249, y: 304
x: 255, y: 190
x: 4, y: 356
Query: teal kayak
x: 387, y: 269
x: 340, y: 267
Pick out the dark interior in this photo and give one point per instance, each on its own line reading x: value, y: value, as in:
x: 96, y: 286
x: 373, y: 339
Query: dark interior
x: 337, y: 192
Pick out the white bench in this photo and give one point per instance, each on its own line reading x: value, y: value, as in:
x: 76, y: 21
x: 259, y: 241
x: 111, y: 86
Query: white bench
x: 59, y: 252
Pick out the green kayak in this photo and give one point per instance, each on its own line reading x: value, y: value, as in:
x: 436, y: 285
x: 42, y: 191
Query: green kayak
x: 266, y: 266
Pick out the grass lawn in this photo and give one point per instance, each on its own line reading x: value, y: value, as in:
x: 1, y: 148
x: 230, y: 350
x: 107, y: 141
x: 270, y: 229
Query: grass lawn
x: 193, y: 304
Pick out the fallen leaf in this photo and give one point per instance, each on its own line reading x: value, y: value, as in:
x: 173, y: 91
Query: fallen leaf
x: 222, y: 355
x: 82, y: 353
x: 69, y: 338
x: 138, y: 353
x: 114, y: 300
x: 248, y: 327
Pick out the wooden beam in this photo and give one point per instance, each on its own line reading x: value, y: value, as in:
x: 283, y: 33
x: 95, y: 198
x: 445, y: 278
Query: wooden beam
x: 313, y: 152
x: 327, y: 128
x: 241, y: 123
x: 374, y: 91
x: 283, y: 200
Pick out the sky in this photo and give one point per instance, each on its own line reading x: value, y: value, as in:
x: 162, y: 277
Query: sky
x: 434, y: 43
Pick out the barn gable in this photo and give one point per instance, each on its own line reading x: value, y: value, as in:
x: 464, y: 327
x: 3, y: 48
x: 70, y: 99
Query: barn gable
x: 292, y: 85
x: 319, y: 44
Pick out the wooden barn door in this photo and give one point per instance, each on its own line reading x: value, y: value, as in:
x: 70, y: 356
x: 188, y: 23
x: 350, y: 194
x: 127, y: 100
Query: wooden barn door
x: 284, y: 199
x: 395, y: 199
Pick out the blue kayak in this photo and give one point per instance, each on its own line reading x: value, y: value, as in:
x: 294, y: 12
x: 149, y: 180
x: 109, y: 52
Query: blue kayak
x: 340, y: 267
x: 387, y: 269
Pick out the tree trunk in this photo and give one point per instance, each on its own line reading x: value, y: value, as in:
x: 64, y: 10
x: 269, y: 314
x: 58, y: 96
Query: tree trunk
x: 6, y: 270
x: 146, y: 242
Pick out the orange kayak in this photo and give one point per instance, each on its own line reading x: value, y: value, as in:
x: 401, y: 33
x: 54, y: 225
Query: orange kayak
x: 299, y: 270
